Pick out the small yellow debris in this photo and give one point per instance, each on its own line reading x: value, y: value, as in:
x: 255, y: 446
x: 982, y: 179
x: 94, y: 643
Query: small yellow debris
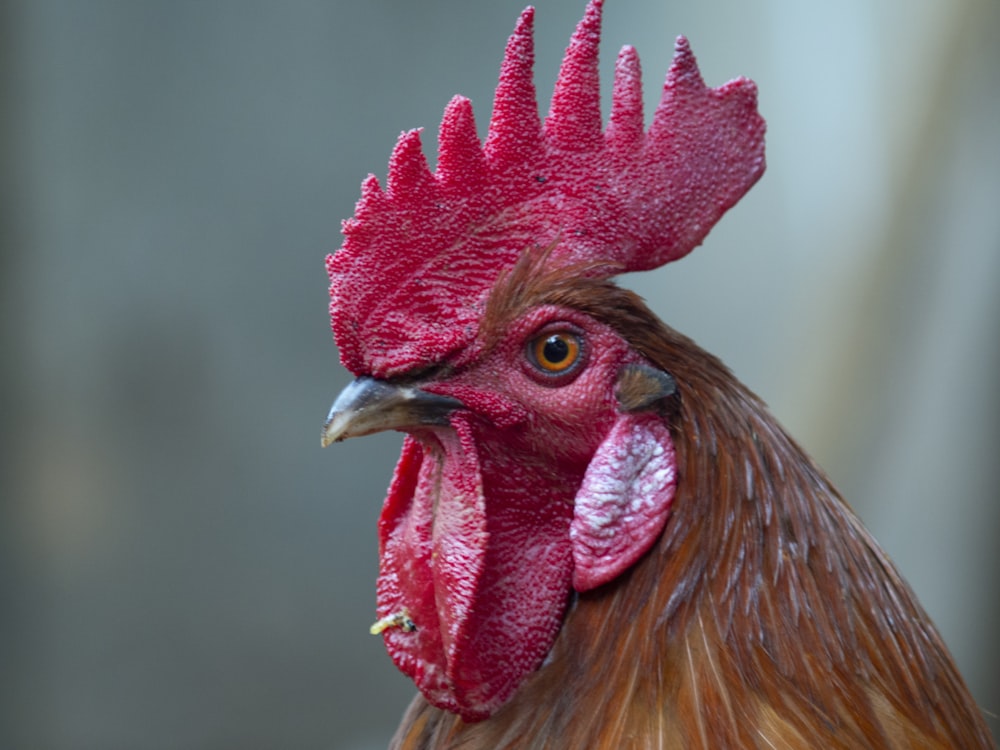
x: 396, y: 620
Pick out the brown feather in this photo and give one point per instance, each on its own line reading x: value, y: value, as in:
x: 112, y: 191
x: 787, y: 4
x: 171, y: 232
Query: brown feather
x: 765, y: 617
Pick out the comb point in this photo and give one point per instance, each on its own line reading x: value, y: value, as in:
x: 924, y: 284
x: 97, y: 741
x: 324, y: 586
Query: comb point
x: 460, y: 156
x: 371, y: 201
x: 515, y: 128
x: 682, y: 85
x: 625, y: 125
x: 574, y: 121
x: 684, y: 70
x: 409, y: 175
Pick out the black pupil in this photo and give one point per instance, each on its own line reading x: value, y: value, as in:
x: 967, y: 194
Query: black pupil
x: 556, y: 350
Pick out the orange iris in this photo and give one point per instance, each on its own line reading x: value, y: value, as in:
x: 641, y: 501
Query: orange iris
x: 555, y: 353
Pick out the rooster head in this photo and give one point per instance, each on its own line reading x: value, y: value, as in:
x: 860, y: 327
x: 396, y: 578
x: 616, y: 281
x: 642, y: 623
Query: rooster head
x: 472, y: 304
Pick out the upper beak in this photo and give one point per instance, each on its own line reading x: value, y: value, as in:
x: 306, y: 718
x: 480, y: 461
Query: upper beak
x: 368, y: 405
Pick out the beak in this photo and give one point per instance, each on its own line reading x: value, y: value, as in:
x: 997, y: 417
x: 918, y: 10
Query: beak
x: 368, y: 405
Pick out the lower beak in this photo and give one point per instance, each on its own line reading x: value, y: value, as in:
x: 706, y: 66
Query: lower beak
x: 368, y: 405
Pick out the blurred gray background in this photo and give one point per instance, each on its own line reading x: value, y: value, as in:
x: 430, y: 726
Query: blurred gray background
x: 183, y: 567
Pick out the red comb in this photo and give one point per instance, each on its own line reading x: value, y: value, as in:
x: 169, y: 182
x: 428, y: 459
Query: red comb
x: 408, y: 287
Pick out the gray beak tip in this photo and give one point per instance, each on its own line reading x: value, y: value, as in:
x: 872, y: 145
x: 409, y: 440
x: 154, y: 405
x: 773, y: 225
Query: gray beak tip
x: 368, y: 405
x: 337, y: 423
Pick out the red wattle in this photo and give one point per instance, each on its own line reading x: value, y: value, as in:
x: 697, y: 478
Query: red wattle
x: 484, y: 578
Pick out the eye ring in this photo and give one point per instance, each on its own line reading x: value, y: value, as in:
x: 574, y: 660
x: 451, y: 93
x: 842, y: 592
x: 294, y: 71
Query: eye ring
x: 556, y: 355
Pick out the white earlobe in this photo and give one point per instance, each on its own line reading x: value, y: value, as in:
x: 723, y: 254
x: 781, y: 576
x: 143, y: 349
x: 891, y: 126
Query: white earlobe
x: 624, y: 500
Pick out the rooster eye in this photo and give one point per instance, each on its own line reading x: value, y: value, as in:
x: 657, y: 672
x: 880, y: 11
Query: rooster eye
x: 556, y: 353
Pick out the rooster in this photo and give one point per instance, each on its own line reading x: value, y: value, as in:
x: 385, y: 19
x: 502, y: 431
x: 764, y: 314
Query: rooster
x: 595, y: 536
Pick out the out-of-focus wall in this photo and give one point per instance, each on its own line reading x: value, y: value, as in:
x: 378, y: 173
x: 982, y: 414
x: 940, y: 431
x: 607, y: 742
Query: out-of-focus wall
x: 186, y: 568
